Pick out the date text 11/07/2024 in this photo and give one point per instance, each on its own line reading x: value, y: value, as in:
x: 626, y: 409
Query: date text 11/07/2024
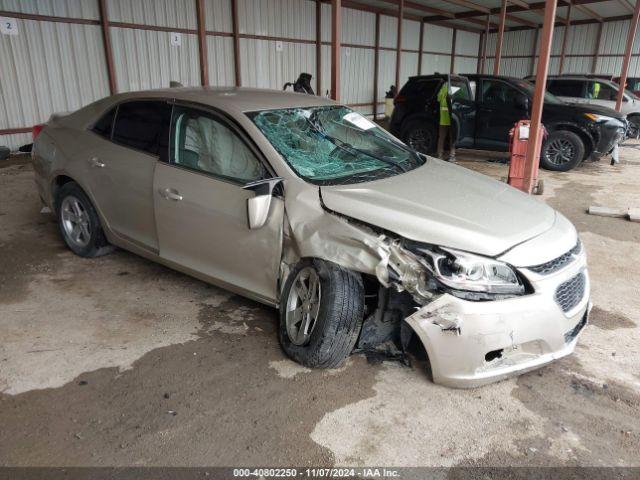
x: 316, y: 473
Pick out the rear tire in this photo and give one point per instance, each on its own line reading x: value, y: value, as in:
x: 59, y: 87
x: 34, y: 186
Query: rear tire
x: 320, y: 329
x: 79, y: 223
x: 420, y: 135
x: 562, y: 151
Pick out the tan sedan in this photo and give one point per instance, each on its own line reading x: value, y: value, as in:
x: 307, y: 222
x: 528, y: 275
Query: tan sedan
x: 306, y: 205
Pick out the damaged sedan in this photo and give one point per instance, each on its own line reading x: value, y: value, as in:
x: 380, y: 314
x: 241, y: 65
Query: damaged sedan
x: 308, y: 206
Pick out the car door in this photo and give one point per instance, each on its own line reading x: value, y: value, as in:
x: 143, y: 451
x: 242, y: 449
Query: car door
x: 122, y: 168
x: 497, y: 112
x: 201, y: 205
x: 463, y: 111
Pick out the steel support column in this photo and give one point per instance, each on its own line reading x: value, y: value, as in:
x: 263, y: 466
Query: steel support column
x: 336, y: 27
x: 484, y: 44
x: 567, y: 26
x: 596, y: 54
x: 503, y: 16
x: 532, y: 69
x: 533, y: 152
x: 319, y: 47
x: 420, y: 48
x: 399, y: 44
x: 236, y: 41
x: 376, y: 66
x: 108, y: 53
x: 452, y: 67
x: 202, y: 43
x: 633, y: 28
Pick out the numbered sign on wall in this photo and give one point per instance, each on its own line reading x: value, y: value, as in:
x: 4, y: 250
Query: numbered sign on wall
x: 176, y: 39
x: 8, y: 26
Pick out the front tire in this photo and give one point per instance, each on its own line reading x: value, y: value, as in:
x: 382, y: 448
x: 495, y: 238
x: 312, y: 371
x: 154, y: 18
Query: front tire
x: 79, y: 223
x: 562, y: 151
x: 321, y: 313
x: 421, y: 136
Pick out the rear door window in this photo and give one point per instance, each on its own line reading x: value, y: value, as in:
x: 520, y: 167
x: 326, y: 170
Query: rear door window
x: 497, y: 92
x: 104, y: 126
x: 144, y: 125
x: 566, y: 88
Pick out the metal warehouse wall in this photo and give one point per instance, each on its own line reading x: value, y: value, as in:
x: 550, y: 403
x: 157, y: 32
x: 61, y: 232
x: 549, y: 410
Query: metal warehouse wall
x: 580, y: 56
x: 57, y: 62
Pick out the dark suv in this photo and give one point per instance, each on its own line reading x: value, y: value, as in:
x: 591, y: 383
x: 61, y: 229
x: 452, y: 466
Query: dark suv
x: 485, y: 107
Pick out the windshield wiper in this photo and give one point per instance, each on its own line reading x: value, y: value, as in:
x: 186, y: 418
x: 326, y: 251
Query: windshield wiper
x: 317, y: 126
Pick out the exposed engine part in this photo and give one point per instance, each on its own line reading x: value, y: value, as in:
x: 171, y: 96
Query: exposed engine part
x: 402, y: 269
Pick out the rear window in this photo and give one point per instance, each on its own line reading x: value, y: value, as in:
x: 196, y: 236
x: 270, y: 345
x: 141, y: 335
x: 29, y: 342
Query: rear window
x: 144, y: 125
x: 421, y: 88
x: 565, y: 88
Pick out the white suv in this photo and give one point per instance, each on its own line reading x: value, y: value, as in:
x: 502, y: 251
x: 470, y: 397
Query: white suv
x: 598, y: 91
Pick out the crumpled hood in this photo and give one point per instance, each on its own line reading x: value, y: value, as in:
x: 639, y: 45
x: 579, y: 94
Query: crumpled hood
x: 447, y: 205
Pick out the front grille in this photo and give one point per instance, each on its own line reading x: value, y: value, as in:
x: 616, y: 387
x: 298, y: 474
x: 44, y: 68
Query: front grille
x: 573, y: 333
x: 557, y: 263
x: 570, y: 293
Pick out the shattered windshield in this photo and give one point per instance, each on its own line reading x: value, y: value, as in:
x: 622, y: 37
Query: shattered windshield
x: 333, y: 145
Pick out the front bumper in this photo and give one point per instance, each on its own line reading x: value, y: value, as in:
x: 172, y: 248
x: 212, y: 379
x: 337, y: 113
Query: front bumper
x: 474, y: 343
x: 611, y: 134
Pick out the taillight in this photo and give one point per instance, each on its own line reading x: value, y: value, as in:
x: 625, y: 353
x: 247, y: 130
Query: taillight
x: 36, y: 130
x: 399, y: 99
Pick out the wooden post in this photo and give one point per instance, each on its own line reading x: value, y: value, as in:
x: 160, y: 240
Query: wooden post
x: 202, y: 43
x: 236, y: 41
x: 420, y: 47
x: 376, y: 66
x: 503, y: 16
x: 108, y: 53
x: 633, y: 28
x: 452, y: 66
x: 319, y: 47
x: 564, y: 39
x: 596, y: 54
x: 399, y: 44
x: 336, y: 26
x: 533, y: 151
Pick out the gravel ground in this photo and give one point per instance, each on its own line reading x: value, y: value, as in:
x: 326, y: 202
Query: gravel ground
x: 118, y: 361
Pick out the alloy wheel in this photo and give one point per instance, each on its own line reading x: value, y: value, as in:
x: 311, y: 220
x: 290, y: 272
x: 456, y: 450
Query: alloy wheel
x: 303, y: 306
x: 560, y: 151
x: 75, y: 221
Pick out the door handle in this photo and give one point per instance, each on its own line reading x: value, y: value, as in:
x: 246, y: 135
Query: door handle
x: 170, y: 194
x: 95, y: 162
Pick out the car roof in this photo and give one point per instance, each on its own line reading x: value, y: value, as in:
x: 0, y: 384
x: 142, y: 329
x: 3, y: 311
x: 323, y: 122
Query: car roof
x: 240, y: 99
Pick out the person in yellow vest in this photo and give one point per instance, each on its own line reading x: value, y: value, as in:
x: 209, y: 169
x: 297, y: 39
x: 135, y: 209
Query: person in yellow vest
x: 444, y: 129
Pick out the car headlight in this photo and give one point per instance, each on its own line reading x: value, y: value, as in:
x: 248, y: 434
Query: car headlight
x: 598, y: 118
x: 473, y: 273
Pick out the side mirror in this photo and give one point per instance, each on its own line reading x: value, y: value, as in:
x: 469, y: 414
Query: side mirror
x: 522, y: 102
x: 258, y: 206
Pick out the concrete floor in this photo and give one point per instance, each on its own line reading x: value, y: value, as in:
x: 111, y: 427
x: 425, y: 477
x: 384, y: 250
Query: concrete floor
x: 119, y: 361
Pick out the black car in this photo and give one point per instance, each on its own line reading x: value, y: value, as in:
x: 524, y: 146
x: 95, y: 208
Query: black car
x: 485, y: 107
